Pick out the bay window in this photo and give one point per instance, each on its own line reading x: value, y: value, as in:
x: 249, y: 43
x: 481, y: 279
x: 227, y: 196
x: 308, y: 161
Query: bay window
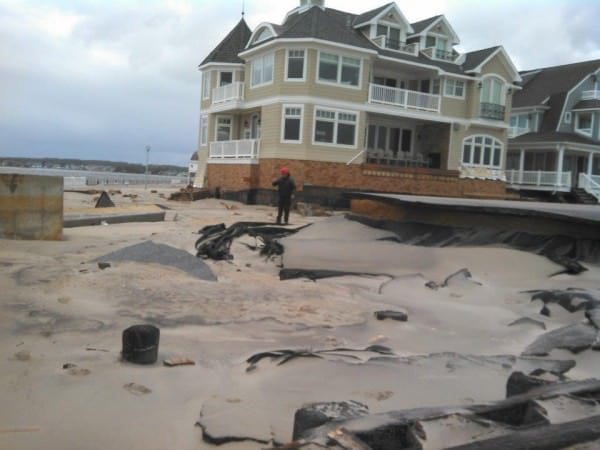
x: 262, y: 70
x: 339, y: 69
x: 292, y: 124
x: 295, y: 65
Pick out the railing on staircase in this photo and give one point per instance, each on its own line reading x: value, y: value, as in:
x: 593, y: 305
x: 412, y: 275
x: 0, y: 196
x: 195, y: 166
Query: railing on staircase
x: 590, y: 184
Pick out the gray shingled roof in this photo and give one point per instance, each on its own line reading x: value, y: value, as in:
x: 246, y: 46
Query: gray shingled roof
x: 228, y: 49
x: 587, y: 104
x: 474, y: 59
x: 551, y: 137
x: 338, y: 26
x: 543, y: 83
x: 422, y: 24
x: 365, y: 17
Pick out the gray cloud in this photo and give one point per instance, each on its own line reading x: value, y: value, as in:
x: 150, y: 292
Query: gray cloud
x: 103, y: 79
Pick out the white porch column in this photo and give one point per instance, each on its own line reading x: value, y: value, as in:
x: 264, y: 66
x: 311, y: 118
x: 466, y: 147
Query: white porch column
x: 521, y: 165
x: 590, y: 163
x: 559, y: 165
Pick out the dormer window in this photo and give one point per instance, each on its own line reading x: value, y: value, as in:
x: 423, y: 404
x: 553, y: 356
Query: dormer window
x: 392, y: 36
x: 584, y: 123
x: 263, y: 35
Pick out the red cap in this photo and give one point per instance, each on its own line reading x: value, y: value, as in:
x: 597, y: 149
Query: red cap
x: 284, y: 171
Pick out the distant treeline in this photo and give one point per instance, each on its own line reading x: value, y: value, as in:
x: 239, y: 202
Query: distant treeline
x: 96, y: 165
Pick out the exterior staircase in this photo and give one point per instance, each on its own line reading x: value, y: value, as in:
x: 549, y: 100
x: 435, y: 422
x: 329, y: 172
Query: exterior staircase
x: 582, y: 196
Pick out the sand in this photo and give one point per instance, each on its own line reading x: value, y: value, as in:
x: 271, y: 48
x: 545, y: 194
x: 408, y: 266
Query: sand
x: 58, y: 307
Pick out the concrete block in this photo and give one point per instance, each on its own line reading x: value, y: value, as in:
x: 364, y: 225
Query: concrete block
x: 31, y: 207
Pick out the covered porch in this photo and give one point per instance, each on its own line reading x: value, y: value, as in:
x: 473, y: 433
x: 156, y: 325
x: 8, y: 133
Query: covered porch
x: 237, y: 138
x: 559, y: 169
x: 405, y: 142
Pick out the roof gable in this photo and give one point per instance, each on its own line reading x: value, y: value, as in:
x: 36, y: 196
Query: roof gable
x: 438, y: 24
x: 228, y: 49
x: 367, y: 17
x: 474, y: 61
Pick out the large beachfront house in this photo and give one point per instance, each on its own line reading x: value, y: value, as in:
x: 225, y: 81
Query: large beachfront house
x: 354, y: 102
x: 554, y: 141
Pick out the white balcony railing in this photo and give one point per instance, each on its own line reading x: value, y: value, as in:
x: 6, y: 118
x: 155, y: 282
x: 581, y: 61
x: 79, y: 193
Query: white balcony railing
x: 543, y: 180
x: 517, y: 131
x: 403, y: 98
x: 590, y: 95
x: 246, y: 149
x: 228, y: 93
x: 590, y: 183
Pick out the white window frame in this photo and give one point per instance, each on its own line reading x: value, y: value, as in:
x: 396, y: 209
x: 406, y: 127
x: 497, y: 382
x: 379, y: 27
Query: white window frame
x: 338, y: 81
x: 336, y: 121
x: 580, y: 130
x: 568, y: 117
x: 206, y: 78
x: 220, y: 79
x: 261, y: 60
x: 284, y: 116
x: 502, y: 90
x: 287, y: 59
x: 496, y: 146
x: 204, y: 130
x: 452, y: 84
x: 217, y: 127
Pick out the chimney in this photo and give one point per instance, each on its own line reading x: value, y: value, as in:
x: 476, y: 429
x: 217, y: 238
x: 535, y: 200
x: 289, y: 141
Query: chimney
x: 309, y: 3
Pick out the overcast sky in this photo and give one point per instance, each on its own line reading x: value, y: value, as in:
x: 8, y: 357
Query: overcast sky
x: 102, y: 79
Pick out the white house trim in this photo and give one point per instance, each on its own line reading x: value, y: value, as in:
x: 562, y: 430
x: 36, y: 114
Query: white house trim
x: 506, y: 61
x: 303, y: 41
x: 377, y: 18
x: 258, y: 30
x: 442, y: 18
x: 220, y: 64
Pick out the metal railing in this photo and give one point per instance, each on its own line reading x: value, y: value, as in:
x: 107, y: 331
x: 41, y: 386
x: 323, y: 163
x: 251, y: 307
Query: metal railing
x: 242, y: 149
x: 395, y: 44
x: 590, y: 183
x: 403, y: 98
x: 539, y: 179
x: 228, y: 93
x: 443, y: 55
x: 517, y: 131
x: 492, y: 111
x: 590, y: 95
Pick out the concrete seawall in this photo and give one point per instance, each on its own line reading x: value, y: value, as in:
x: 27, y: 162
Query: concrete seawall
x: 31, y: 207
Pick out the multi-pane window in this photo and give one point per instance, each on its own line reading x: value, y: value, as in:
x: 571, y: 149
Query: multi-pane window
x: 292, y: 124
x: 203, y: 130
x: 482, y: 151
x: 392, y: 139
x: 206, y: 85
x: 454, y: 88
x: 335, y: 127
x: 225, y: 78
x: 583, y: 123
x: 491, y: 91
x: 519, y: 124
x: 339, y: 69
x: 295, y: 65
x: 262, y: 70
x: 223, y: 128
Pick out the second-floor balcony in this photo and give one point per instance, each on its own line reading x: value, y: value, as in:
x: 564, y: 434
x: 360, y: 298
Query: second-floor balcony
x: 228, y: 93
x: 440, y: 54
x: 394, y: 44
x: 492, y: 111
x: 590, y: 95
x: 404, y: 98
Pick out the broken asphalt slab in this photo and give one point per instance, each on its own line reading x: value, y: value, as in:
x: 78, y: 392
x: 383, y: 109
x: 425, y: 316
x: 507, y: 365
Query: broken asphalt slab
x: 150, y: 252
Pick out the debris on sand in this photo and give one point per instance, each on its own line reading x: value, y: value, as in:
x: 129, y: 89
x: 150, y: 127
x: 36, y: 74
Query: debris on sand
x: 575, y: 338
x: 344, y: 354
x: 103, y: 265
x: 137, y: 389
x: 140, y: 344
x: 394, y: 315
x: 189, y: 194
x: 215, y: 240
x: 150, y: 252
x: 104, y: 201
x: 178, y: 361
x: 519, y: 421
x: 462, y: 275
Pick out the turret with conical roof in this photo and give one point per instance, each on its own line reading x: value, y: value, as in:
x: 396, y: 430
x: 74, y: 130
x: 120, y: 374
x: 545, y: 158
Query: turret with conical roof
x: 228, y: 49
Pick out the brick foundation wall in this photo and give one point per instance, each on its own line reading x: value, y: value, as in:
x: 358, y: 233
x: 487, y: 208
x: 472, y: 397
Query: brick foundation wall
x: 362, y: 177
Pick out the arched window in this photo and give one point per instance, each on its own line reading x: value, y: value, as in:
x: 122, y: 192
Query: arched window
x: 482, y: 150
x: 263, y: 34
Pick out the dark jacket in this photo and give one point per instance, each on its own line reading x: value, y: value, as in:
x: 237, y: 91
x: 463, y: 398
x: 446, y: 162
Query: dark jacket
x: 285, y: 185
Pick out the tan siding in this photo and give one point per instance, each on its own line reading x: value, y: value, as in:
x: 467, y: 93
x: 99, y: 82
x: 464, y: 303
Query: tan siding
x: 457, y: 138
x: 456, y: 107
x: 495, y: 66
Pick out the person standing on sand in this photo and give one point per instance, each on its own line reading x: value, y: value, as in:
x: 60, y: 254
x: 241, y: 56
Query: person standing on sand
x: 286, y: 187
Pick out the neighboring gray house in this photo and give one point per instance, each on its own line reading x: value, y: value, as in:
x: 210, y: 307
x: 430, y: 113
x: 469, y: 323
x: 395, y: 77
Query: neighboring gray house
x: 554, y: 130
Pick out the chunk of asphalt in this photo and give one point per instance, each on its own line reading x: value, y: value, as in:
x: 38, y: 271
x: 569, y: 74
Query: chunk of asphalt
x: 394, y: 315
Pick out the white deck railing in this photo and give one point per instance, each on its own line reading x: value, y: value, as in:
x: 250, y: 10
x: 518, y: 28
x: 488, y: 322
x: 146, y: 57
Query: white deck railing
x: 532, y: 179
x: 517, y: 131
x: 590, y: 95
x: 228, y: 93
x: 243, y: 149
x: 403, y: 98
x: 590, y: 183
